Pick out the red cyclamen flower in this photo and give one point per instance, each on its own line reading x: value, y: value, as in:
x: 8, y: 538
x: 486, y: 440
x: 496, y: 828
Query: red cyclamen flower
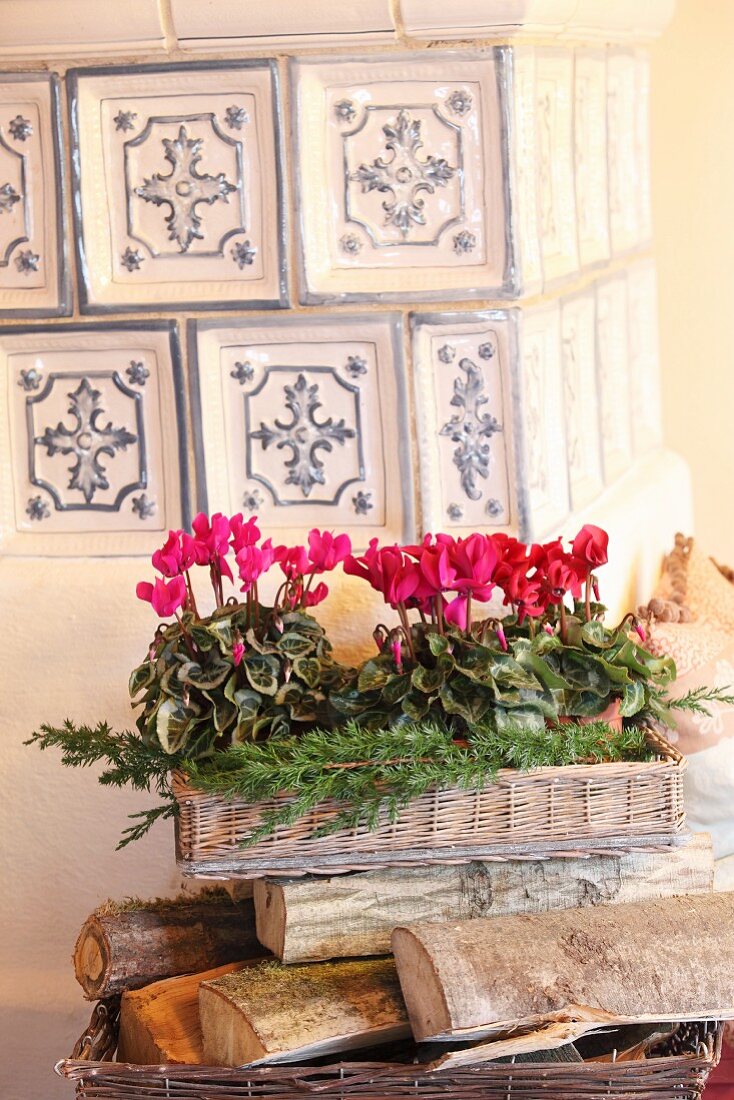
x: 590, y: 547
x: 316, y: 595
x: 165, y: 597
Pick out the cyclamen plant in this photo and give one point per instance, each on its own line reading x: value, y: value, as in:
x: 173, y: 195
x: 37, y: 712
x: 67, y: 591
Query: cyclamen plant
x: 247, y: 671
x: 544, y: 655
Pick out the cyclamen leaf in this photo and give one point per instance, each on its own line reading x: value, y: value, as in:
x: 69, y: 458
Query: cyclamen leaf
x: 222, y: 631
x: 416, y: 705
x: 203, y: 638
x: 633, y: 699
x: 262, y: 672
x: 396, y: 689
x: 375, y: 674
x: 428, y: 680
x: 140, y: 677
x: 211, y: 676
x: 172, y: 724
x: 308, y: 669
x: 350, y: 701
x: 296, y: 645
x: 594, y: 633
x: 438, y: 643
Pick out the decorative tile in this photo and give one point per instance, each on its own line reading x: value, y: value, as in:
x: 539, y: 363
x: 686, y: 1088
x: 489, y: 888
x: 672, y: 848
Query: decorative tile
x: 467, y: 422
x: 544, y: 468
x: 402, y: 166
x: 178, y: 186
x: 554, y: 92
x: 482, y: 18
x: 33, y: 279
x: 646, y: 395
x: 612, y: 348
x: 220, y: 24
x: 523, y: 154
x: 642, y: 144
x: 581, y: 398
x: 622, y: 131
x: 304, y: 422
x: 46, y: 28
x: 590, y: 144
x: 93, y: 456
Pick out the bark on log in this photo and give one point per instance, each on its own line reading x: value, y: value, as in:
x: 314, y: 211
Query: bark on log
x: 309, y: 919
x: 159, y: 1025
x: 120, y: 948
x: 671, y: 959
x: 272, y: 1013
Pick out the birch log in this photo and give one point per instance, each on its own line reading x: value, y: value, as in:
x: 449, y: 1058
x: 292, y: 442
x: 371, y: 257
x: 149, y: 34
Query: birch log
x: 308, y: 919
x: 271, y: 1013
x: 671, y: 959
x: 127, y: 947
x: 159, y: 1025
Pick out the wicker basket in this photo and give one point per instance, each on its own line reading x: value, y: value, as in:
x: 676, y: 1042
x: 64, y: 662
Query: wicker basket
x: 581, y: 808
x: 681, y: 1076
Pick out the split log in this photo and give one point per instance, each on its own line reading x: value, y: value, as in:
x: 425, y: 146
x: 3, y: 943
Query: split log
x: 309, y: 919
x: 272, y: 1013
x: 559, y: 975
x: 130, y: 945
x: 159, y: 1025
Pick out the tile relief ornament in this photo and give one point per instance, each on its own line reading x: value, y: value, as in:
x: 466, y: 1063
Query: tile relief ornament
x: 33, y: 278
x: 409, y: 199
x: 463, y: 393
x: 304, y: 421
x: 178, y: 186
x: 91, y: 446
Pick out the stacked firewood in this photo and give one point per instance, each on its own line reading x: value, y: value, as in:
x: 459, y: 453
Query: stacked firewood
x: 593, y: 957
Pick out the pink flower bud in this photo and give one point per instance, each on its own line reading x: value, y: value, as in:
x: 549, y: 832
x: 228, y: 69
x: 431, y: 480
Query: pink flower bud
x: 549, y: 629
x: 397, y: 653
x: 501, y: 637
x: 238, y: 652
x: 595, y: 586
x: 640, y: 632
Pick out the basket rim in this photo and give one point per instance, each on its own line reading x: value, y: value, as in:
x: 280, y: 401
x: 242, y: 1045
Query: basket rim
x: 669, y: 755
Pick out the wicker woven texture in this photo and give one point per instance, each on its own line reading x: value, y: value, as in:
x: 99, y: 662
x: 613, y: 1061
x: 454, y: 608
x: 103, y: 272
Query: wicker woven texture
x: 681, y: 1076
x: 581, y: 803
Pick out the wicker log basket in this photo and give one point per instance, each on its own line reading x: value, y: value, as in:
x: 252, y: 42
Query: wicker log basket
x: 667, y: 1076
x: 570, y: 810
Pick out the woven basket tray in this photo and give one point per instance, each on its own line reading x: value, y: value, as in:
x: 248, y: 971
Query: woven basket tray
x: 581, y: 808
x: 673, y: 1077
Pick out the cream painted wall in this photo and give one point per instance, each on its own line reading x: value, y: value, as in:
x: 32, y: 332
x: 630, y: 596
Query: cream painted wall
x: 693, y: 202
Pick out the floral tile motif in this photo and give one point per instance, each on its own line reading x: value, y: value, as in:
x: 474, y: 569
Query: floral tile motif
x: 646, y: 390
x: 625, y: 180
x: 613, y: 365
x: 402, y: 175
x: 581, y: 398
x: 466, y: 421
x: 304, y: 423
x: 33, y: 276
x: 590, y: 153
x: 178, y: 186
x: 87, y: 465
x: 541, y: 398
x: 554, y: 98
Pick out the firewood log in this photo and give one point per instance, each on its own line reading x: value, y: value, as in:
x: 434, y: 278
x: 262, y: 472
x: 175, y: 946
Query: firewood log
x: 130, y: 945
x: 309, y: 919
x: 159, y: 1024
x: 561, y: 974
x: 272, y: 1013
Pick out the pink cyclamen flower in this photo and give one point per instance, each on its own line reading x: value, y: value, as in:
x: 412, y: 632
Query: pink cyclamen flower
x: 457, y: 612
x: 326, y: 551
x: 211, y: 541
x: 238, y: 652
x: 175, y: 556
x: 165, y: 597
x: 253, y: 561
x: 293, y: 560
x: 244, y: 532
x: 316, y: 595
